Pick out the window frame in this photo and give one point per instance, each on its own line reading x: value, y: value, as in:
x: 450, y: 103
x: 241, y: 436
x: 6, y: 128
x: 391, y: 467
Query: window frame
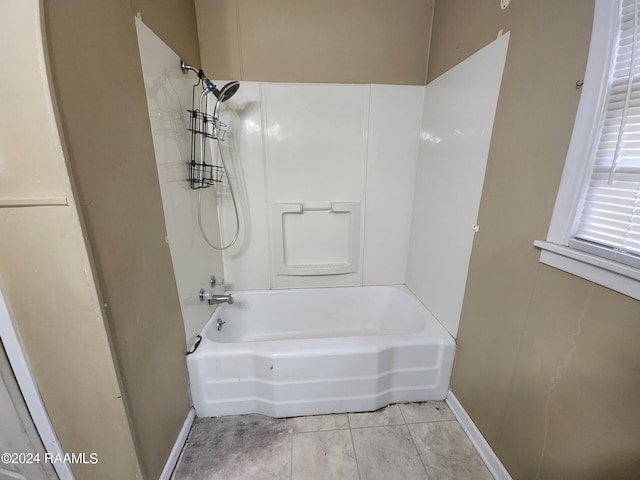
x: 555, y: 250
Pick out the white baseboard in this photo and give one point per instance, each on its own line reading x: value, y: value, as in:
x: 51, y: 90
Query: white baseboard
x: 491, y: 460
x: 177, y: 447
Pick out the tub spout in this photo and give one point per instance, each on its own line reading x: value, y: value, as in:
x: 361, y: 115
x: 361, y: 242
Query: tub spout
x: 216, y: 299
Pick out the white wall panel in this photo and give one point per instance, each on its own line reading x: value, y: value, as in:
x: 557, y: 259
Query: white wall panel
x: 316, y: 146
x: 316, y: 141
x: 168, y: 98
x: 395, y: 113
x: 316, y: 153
x: 246, y: 264
x: 459, y: 109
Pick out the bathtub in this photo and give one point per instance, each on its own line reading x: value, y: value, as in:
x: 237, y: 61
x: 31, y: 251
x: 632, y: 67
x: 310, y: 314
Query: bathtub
x: 286, y: 353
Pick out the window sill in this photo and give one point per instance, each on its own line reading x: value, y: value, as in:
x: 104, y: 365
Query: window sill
x: 610, y: 274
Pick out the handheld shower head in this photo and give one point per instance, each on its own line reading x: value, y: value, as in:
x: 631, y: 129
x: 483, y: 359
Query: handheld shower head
x: 227, y: 91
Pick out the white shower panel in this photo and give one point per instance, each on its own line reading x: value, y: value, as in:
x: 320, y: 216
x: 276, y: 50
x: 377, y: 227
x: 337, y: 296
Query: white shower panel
x: 395, y: 114
x: 316, y: 141
x: 316, y: 153
x: 459, y: 109
x: 168, y: 98
x: 247, y: 264
x: 367, y: 134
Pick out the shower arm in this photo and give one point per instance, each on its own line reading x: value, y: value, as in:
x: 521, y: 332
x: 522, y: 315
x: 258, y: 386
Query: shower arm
x: 224, y: 94
x: 208, y: 84
x: 186, y: 67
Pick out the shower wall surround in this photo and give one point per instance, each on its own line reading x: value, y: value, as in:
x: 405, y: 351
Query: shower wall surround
x: 459, y: 108
x: 337, y: 184
x: 168, y: 98
x: 412, y: 159
x: 326, y: 173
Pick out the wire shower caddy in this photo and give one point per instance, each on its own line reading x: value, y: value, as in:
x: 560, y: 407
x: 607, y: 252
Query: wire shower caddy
x: 203, y: 174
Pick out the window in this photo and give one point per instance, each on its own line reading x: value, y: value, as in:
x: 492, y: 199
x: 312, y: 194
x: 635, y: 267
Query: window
x: 595, y: 229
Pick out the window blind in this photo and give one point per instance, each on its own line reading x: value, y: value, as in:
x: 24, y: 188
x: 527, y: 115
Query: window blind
x: 609, y: 224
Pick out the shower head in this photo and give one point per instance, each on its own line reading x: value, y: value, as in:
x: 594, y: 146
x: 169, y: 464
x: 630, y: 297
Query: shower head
x: 224, y: 94
x: 227, y: 91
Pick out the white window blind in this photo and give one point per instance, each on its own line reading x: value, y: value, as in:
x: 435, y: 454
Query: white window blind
x: 609, y: 224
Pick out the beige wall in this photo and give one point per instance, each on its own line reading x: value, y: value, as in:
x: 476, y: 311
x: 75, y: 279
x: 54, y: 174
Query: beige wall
x: 45, y: 268
x: 333, y: 41
x: 98, y: 81
x: 547, y: 363
x: 175, y: 22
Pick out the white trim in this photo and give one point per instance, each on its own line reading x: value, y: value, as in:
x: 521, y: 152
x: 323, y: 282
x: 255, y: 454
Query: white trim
x: 30, y: 392
x: 57, y: 201
x: 177, y: 447
x: 585, y: 131
x: 491, y: 460
x: 575, y: 177
x: 608, y: 273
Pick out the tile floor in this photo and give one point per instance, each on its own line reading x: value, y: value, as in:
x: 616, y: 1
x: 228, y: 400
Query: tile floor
x: 401, y: 441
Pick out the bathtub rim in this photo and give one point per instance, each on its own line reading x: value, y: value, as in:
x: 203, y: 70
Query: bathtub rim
x: 432, y: 330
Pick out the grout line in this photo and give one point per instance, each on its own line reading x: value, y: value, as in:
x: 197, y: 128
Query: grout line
x: 291, y: 468
x: 355, y: 454
x: 379, y: 426
x: 433, y: 421
x: 417, y: 451
x: 325, y: 430
x: 402, y: 414
x: 416, y: 448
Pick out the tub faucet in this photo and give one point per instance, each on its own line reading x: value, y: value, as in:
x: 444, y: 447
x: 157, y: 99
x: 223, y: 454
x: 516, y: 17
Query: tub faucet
x: 215, y: 299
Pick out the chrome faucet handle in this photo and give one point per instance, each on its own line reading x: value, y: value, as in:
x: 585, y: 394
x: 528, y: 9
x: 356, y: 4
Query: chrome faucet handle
x: 202, y: 294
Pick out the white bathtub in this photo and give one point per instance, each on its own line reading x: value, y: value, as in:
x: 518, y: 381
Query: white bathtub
x: 287, y: 353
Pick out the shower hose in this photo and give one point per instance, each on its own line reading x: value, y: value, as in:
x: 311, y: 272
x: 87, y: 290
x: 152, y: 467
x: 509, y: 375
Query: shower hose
x: 233, y: 197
